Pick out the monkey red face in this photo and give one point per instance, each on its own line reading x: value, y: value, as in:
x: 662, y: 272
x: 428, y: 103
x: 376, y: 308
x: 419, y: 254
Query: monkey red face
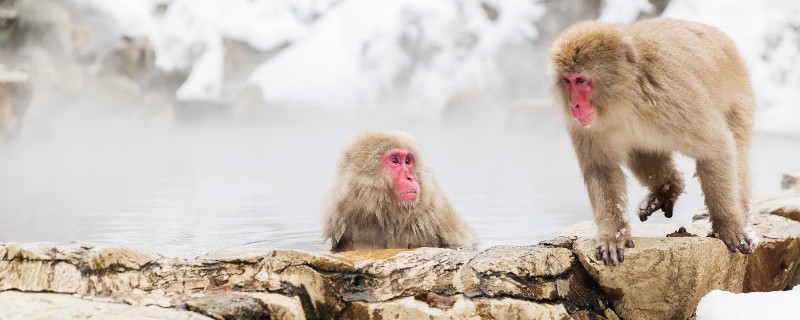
x: 400, y: 163
x: 579, y: 87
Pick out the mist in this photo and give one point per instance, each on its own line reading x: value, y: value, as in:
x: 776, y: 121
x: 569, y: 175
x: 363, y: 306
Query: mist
x: 164, y: 126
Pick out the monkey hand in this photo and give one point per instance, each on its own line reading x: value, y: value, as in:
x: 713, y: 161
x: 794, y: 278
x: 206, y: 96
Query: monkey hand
x: 611, y: 248
x: 661, y: 199
x: 735, y: 238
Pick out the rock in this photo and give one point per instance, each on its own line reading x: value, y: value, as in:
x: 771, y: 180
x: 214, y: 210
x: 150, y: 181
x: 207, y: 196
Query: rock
x: 463, y: 308
x: 664, y: 278
x: 9, y: 23
x: 681, y: 232
x: 221, y: 306
x: 280, y: 306
x: 49, y: 24
x: 527, y: 272
x: 15, y: 97
x: 133, y: 58
x: 33, y: 306
x: 785, y: 204
x: 791, y: 181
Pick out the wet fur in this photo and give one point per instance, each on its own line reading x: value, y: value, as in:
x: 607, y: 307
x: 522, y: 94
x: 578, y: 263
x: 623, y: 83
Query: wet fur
x: 362, y: 211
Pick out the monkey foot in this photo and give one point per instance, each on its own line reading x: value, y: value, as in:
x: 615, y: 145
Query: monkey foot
x: 735, y: 240
x: 662, y: 199
x: 612, y: 252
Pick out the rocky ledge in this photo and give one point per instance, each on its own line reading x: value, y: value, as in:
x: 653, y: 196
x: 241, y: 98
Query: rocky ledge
x: 664, y: 277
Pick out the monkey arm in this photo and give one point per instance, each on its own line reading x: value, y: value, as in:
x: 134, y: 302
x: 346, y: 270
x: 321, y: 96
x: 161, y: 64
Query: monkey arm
x: 605, y: 183
x: 657, y: 172
x: 457, y: 234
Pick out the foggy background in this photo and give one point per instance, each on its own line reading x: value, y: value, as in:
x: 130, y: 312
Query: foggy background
x: 186, y: 126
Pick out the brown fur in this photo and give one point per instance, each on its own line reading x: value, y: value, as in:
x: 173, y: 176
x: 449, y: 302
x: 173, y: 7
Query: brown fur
x: 660, y: 86
x: 362, y: 211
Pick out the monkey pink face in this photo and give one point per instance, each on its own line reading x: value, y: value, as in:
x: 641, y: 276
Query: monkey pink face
x: 579, y: 87
x: 400, y: 163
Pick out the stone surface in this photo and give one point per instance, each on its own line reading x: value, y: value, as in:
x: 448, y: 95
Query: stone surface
x: 664, y: 278
x: 463, y: 308
x: 527, y: 272
x: 785, y: 204
x: 791, y: 181
x: 49, y: 306
x: 15, y: 96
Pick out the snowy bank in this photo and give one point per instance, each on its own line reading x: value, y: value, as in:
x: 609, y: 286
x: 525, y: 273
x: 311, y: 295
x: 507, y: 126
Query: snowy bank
x: 724, y: 305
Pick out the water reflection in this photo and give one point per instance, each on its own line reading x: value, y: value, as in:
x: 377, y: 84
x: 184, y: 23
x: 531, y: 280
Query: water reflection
x: 194, y: 188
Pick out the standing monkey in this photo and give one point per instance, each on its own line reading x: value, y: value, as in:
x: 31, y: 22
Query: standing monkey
x: 384, y: 197
x: 633, y: 94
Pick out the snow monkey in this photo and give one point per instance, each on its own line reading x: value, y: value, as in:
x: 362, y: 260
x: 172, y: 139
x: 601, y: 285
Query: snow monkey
x: 385, y: 197
x: 633, y: 94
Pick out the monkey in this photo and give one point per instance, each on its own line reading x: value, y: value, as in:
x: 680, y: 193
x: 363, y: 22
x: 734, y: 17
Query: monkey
x: 634, y: 94
x: 385, y: 197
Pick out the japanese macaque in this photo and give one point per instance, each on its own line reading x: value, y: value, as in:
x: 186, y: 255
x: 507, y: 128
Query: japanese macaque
x: 634, y: 94
x: 385, y: 197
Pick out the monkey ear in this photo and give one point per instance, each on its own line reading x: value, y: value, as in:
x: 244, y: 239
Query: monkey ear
x: 628, y: 51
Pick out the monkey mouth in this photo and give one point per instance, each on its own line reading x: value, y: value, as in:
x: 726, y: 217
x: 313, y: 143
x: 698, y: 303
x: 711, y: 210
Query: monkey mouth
x: 585, y: 120
x: 408, y: 196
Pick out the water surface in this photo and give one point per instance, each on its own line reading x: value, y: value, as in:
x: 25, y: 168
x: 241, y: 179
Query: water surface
x: 191, y: 188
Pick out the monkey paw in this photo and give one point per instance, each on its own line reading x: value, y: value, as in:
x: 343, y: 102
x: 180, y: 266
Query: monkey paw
x: 662, y: 199
x: 611, y: 250
x: 736, y: 239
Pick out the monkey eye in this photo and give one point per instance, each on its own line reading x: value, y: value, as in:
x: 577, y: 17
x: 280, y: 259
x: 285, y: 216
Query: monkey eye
x: 565, y: 80
x: 408, y: 160
x: 580, y: 80
x: 395, y: 160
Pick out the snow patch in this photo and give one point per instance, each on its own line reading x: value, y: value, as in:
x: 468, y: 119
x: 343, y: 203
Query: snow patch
x: 364, y: 53
x: 624, y: 11
x: 753, y: 236
x: 719, y: 305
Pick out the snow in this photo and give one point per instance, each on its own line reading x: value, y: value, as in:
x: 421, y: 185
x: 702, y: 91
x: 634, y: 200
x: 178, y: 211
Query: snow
x: 205, y: 81
x: 189, y: 34
x: 724, y: 305
x: 624, y: 11
x: 420, y: 52
x: 767, y: 34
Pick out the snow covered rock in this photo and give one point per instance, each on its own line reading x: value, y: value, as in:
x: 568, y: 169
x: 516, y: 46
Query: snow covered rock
x: 45, y: 306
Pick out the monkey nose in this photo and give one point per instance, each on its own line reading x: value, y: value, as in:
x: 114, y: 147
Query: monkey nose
x: 577, y: 106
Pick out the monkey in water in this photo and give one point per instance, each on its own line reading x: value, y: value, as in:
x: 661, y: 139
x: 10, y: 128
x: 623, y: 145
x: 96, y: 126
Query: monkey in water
x: 634, y: 94
x: 385, y: 197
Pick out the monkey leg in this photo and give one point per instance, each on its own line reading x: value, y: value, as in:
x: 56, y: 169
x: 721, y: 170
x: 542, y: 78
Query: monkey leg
x: 740, y: 121
x: 718, y: 177
x: 657, y: 172
x: 606, y: 186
